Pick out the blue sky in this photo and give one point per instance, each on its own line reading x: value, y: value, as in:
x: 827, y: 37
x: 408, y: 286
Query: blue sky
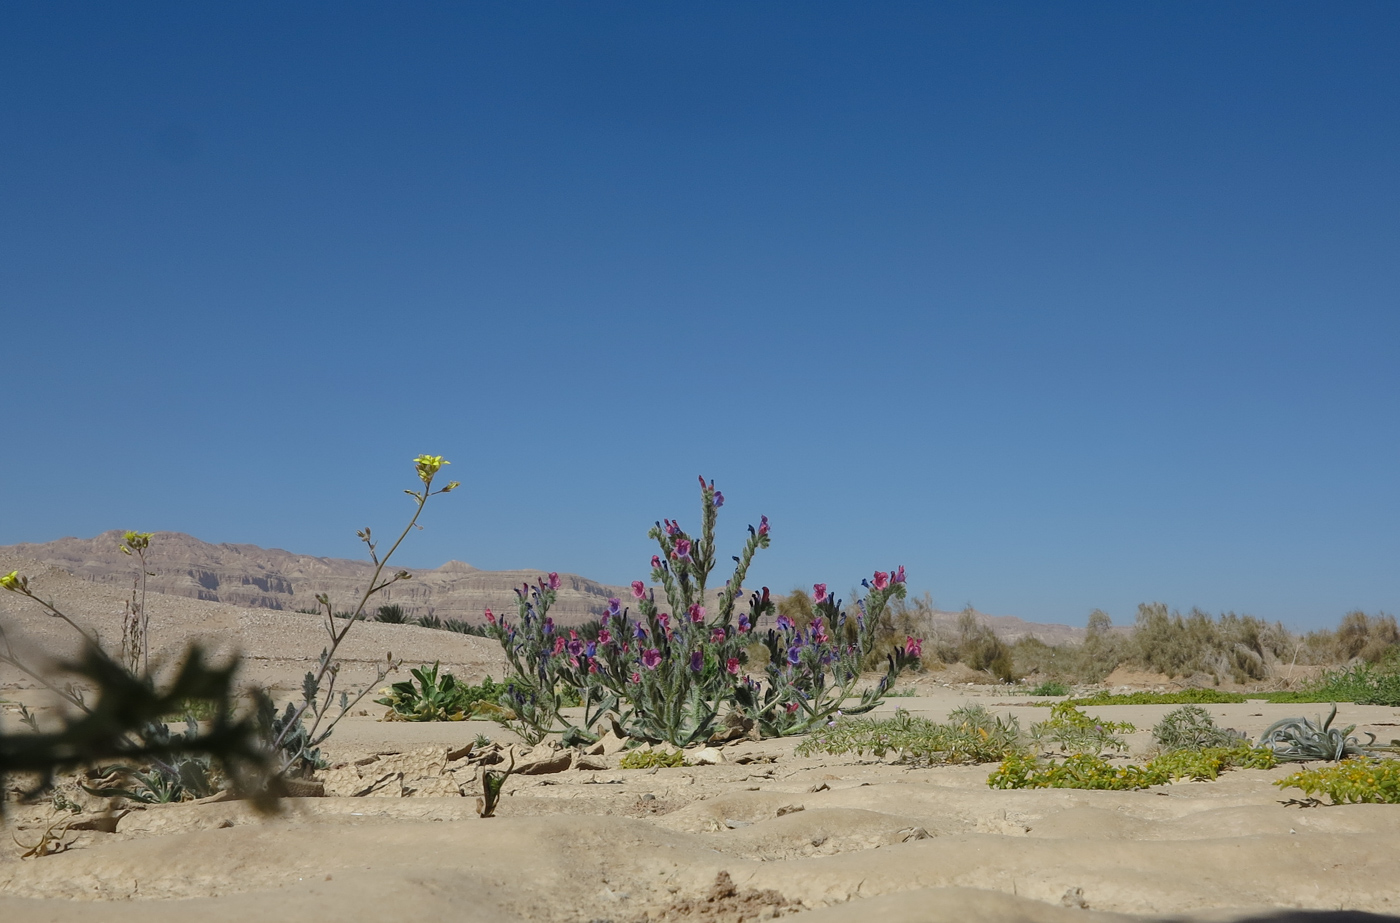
x: 1061, y: 306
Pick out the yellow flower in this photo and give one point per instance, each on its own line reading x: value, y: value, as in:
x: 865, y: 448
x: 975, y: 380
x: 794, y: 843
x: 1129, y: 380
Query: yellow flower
x: 13, y: 581
x: 428, y: 466
x: 136, y: 541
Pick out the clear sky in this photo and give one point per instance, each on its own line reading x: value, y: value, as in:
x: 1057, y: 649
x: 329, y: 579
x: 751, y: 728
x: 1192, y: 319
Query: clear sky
x: 1061, y: 306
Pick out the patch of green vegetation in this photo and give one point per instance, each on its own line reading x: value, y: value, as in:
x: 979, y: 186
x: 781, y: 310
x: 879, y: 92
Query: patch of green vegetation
x: 438, y: 697
x: 1191, y: 727
x: 1090, y: 771
x: 1183, y: 697
x: 1051, y: 687
x: 653, y: 759
x: 972, y: 734
x: 1075, y: 732
x: 1355, y: 781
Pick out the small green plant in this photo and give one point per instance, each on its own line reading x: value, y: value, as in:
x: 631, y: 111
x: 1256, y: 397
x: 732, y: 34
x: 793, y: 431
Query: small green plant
x: 972, y: 734
x: 492, y: 782
x: 1353, y: 781
x: 436, y: 697
x: 1298, y: 740
x: 1191, y: 727
x: 391, y: 614
x: 1072, y: 731
x: 1051, y: 687
x: 652, y: 759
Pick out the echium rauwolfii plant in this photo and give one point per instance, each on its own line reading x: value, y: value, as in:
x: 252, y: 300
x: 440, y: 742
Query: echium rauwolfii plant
x: 669, y: 675
x: 813, y: 670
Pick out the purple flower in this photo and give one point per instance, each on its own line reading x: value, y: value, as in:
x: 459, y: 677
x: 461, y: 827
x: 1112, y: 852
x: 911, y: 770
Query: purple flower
x: 697, y: 613
x: 682, y: 552
x: 591, y: 650
x: 639, y: 589
x: 719, y: 499
x: 672, y: 528
x: 549, y: 626
x: 614, y: 607
x: 744, y: 622
x: 641, y: 632
x: 664, y: 618
x: 784, y: 623
x: 819, y: 634
x: 651, y: 658
x: 717, y: 636
x: 819, y: 592
x: 763, y: 525
x: 914, y: 647
x: 899, y: 574
x: 794, y: 655
x: 697, y: 660
x: 575, y: 647
x: 554, y: 581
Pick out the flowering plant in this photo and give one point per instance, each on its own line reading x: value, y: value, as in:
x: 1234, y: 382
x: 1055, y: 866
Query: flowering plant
x: 667, y: 675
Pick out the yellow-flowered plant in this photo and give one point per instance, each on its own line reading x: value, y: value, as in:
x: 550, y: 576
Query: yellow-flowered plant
x: 136, y: 621
x: 1355, y: 781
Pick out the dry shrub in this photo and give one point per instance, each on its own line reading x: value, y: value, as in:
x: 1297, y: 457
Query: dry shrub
x: 1359, y: 636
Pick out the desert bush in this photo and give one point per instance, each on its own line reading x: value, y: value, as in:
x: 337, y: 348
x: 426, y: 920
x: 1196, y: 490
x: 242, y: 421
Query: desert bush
x: 1353, y: 781
x: 1241, y: 647
x: 1301, y: 740
x: 1191, y: 727
x: 463, y: 627
x: 652, y: 759
x: 1075, y: 732
x: 1050, y: 687
x: 972, y: 734
x: 1359, y: 636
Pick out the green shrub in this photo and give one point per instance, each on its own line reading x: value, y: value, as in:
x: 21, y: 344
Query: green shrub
x: 1191, y: 727
x: 972, y: 734
x: 652, y: 759
x: 1350, y: 782
x: 393, y: 614
x: 437, y: 697
x: 1075, y: 732
x: 1051, y: 687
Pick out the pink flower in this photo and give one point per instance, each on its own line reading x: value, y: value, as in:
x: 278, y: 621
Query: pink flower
x: 682, y: 552
x: 558, y: 645
x: 763, y: 525
x: 554, y: 581
x: 672, y: 528
x: 638, y: 589
x: 819, y: 634
x: 914, y: 647
x: 899, y: 574
x: 592, y: 666
x: 732, y: 666
x: 636, y: 678
x: 697, y: 612
x: 490, y: 617
x: 819, y: 592
x: 604, y: 636
x: 664, y: 618
x: 651, y: 658
x: 791, y: 707
x: 882, y: 580
x: 717, y: 636
x: 655, y: 561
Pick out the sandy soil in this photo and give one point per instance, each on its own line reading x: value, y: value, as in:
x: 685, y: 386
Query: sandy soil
x: 763, y: 834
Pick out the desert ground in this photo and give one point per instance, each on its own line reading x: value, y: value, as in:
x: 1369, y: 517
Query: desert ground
x: 759, y: 834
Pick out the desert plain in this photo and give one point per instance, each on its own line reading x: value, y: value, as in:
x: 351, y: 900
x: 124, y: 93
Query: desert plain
x: 759, y: 833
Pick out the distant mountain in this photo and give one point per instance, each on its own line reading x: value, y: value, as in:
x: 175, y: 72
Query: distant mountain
x: 270, y: 578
